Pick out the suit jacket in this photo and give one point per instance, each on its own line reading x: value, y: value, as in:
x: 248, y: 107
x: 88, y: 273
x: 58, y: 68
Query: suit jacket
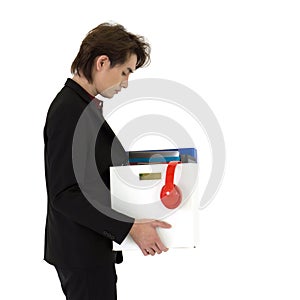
x: 78, y: 233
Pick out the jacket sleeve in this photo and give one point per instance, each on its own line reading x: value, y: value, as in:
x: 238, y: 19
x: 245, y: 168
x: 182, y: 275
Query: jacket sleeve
x: 84, y: 200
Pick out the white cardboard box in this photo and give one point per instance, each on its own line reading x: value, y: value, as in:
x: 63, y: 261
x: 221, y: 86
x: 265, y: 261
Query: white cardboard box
x: 133, y: 195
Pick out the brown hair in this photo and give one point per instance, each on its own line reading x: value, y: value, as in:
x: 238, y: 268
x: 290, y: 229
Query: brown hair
x: 114, y: 41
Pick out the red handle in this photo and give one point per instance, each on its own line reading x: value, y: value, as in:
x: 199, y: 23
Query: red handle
x: 170, y: 173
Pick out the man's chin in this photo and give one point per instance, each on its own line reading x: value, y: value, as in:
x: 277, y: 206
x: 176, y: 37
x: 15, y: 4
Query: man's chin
x: 107, y: 95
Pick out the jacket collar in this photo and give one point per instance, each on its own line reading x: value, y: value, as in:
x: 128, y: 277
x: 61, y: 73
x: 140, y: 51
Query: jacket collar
x: 78, y: 89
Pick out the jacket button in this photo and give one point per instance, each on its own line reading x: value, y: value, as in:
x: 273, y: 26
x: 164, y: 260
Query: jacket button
x: 108, y: 235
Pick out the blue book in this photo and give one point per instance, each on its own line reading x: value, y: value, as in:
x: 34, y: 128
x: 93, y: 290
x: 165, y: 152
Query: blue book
x: 185, y: 155
x: 153, y: 156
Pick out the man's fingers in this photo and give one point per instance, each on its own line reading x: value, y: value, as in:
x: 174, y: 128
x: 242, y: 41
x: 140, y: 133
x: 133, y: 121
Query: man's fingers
x: 157, y: 249
x: 161, y: 224
x: 149, y: 251
x: 161, y: 246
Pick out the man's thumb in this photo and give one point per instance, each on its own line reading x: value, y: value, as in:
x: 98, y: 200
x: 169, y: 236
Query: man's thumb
x: 162, y: 224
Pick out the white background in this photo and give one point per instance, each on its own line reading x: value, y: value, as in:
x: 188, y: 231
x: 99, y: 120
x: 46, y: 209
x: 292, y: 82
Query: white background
x: 243, y: 58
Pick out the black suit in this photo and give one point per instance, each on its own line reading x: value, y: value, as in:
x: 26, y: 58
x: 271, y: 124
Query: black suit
x: 77, y: 234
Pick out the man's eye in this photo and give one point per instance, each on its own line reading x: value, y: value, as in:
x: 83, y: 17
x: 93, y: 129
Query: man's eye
x: 123, y: 74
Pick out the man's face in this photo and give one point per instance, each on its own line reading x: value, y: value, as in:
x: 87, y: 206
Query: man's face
x: 109, y: 81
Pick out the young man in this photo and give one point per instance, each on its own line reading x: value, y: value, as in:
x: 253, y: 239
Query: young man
x: 78, y: 238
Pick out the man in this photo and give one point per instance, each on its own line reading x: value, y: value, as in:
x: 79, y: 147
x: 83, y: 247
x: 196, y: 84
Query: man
x: 78, y: 237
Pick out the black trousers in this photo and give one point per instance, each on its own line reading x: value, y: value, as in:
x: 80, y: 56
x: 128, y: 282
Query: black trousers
x: 89, y: 284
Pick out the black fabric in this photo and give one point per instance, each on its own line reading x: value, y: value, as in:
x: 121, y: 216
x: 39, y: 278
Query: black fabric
x: 118, y: 257
x: 89, y: 284
x: 77, y: 234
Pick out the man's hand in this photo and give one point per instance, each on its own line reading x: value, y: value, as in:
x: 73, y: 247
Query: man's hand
x: 144, y: 233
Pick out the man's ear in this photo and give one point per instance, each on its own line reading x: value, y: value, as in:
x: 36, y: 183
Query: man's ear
x: 102, y: 61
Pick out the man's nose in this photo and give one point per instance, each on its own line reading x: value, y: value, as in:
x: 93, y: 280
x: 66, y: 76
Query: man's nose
x: 124, y: 84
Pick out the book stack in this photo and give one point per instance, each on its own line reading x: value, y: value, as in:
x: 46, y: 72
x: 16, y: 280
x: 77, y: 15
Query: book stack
x: 161, y: 156
x: 188, y: 155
